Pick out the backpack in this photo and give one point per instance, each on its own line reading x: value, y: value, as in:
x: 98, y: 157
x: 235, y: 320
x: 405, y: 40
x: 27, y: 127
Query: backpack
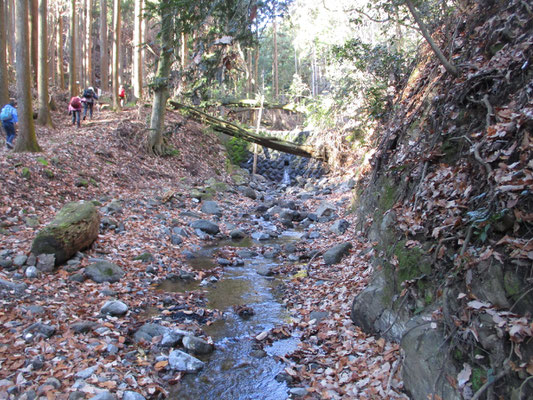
x: 75, y: 102
x: 88, y: 93
x: 6, y: 114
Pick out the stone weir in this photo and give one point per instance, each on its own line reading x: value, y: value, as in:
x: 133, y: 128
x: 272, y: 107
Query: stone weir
x: 282, y: 167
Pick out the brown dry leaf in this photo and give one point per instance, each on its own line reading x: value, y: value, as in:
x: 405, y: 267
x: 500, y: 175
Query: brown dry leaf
x: 161, y: 365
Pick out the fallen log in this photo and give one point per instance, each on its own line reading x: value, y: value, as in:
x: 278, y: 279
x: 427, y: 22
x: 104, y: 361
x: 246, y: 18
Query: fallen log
x: 231, y: 129
x: 252, y: 104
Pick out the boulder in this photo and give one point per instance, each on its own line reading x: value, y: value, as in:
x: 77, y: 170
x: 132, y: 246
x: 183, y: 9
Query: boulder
x: 335, y: 254
x: 115, y: 308
x: 149, y: 331
x: 104, y: 271
x: 74, y: 228
x: 180, y: 361
x: 205, y: 226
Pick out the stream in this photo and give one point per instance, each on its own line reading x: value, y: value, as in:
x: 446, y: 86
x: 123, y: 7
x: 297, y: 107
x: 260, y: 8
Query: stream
x: 236, y: 369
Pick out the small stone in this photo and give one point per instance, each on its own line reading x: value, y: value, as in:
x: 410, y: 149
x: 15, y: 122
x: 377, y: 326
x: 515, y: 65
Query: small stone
x: 211, y: 207
x: 197, y: 345
x: 31, y: 272
x: 205, y: 226
x: 335, y: 254
x: 85, y: 373
x: 77, y: 278
x: 53, y: 382
x: 41, y: 329
x: 298, y: 391
x: 83, y: 326
x: 115, y: 308
x: 180, y: 361
x: 260, y: 236
x: 20, y: 260
x: 105, y: 395
x: 129, y: 395
x: 46, y: 262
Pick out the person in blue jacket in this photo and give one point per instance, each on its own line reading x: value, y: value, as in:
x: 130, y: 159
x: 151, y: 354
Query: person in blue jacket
x: 10, y: 119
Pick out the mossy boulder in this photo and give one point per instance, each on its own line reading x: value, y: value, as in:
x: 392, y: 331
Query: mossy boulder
x: 74, y: 228
x: 104, y: 271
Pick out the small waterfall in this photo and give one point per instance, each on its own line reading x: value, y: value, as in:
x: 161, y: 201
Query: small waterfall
x: 286, y: 177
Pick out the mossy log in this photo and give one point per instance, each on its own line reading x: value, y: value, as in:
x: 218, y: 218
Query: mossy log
x: 230, y: 129
x: 252, y: 104
x: 74, y: 228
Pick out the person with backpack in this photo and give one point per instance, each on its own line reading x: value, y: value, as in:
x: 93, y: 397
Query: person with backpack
x: 122, y: 95
x: 74, y: 108
x: 89, y: 96
x: 9, y: 117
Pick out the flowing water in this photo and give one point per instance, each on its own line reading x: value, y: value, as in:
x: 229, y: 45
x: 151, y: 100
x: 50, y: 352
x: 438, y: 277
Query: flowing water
x: 235, y: 371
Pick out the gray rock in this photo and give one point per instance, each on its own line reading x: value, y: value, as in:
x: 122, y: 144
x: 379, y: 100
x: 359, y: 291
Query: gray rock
x: 223, y: 261
x: 176, y: 240
x: 20, y: 260
x: 335, y: 254
x: 83, y: 326
x: 172, y: 338
x: 339, y: 227
x: 31, y: 272
x: 115, y: 308
x: 180, y: 361
x: 77, y: 278
x: 260, y: 236
x: 53, y: 382
x: 104, y: 271
x: 149, y: 331
x: 249, y: 192
x: 246, y: 253
x: 32, y: 260
x: 298, y: 392
x: 325, y: 210
x: 86, y: 373
x: 205, y: 226
x: 41, y: 329
x: 180, y: 231
x: 314, y: 235
x: 211, y: 207
x: 197, y: 345
x: 105, y: 395
x: 237, y: 234
x: 265, y: 270
x: 129, y: 395
x: 36, y: 310
x: 7, y: 264
x: 8, y: 285
x: 46, y: 262
x: 76, y: 396
x: 318, y: 315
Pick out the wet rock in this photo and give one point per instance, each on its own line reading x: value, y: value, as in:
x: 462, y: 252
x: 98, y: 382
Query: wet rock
x: 83, y: 326
x: 258, y: 353
x: 205, y: 226
x: 246, y: 253
x: 339, y: 227
x: 115, y: 308
x: 46, y: 262
x: 180, y: 361
x: 223, y: 261
x: 237, y: 234
x: 335, y: 254
x: 283, y: 377
x: 129, y: 395
x: 172, y: 338
x: 260, y: 236
x: 104, y: 271
x: 197, y: 345
x: 299, y: 392
x: 265, y: 270
x: 211, y: 207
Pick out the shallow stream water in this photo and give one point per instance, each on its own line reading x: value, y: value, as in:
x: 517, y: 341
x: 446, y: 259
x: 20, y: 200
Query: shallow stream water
x: 234, y: 371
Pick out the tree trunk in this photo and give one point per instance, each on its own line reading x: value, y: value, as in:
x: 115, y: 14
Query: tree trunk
x: 276, y: 78
x: 72, y: 65
x: 89, y: 76
x: 423, y: 29
x: 4, y: 81
x: 137, y: 51
x: 155, y: 140
x: 59, y: 60
x: 34, y: 35
x: 228, y: 128
x: 116, y: 53
x: 26, y: 140
x: 44, y: 109
x: 104, y: 65
x: 11, y: 28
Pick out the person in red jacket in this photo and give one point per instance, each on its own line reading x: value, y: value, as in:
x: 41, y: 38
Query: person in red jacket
x: 122, y: 95
x: 74, y: 108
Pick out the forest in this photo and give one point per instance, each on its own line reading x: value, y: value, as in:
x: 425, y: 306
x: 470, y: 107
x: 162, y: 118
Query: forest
x: 266, y: 199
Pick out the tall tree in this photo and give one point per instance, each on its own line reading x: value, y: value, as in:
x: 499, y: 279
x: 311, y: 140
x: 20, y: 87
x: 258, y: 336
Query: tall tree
x: 116, y: 53
x: 275, y: 58
x: 160, y: 86
x: 26, y: 140
x: 72, y: 65
x: 104, y: 60
x: 89, y: 76
x: 59, y: 54
x: 4, y: 92
x: 42, y: 82
x: 34, y: 45
x: 137, y: 50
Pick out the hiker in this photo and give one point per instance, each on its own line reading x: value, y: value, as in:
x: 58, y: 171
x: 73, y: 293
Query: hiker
x: 74, y: 108
x: 122, y: 95
x: 9, y: 117
x: 88, y: 98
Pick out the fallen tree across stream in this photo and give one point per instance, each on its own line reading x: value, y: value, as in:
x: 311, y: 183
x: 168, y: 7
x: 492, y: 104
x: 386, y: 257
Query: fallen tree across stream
x: 231, y: 129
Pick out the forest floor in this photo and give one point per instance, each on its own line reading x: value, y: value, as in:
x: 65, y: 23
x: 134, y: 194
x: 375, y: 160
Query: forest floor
x: 104, y: 160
